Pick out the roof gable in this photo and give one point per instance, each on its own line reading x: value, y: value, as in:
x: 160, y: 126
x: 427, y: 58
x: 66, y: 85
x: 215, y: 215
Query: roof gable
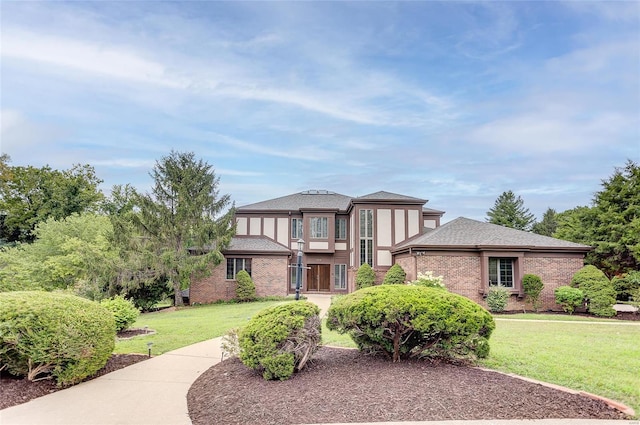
x: 310, y: 199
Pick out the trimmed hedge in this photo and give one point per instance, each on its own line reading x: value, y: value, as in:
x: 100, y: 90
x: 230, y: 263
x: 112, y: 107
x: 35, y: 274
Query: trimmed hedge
x: 405, y: 321
x: 597, y: 289
x: 245, y: 289
x: 532, y: 286
x: 569, y: 298
x: 124, y: 311
x: 395, y: 276
x: 281, y: 339
x: 626, y: 285
x: 365, y: 276
x: 61, y: 335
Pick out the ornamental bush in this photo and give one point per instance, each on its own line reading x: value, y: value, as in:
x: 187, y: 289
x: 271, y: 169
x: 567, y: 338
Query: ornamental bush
x: 428, y: 280
x: 245, y: 289
x: 625, y: 285
x: 497, y: 299
x: 569, y: 298
x: 597, y: 289
x: 365, y: 276
x: 395, y: 276
x: 53, y: 334
x: 405, y: 321
x: 532, y: 286
x: 281, y: 339
x: 124, y: 311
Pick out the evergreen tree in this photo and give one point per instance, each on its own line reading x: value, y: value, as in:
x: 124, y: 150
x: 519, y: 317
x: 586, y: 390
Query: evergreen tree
x: 509, y: 211
x: 611, y: 225
x: 185, y: 212
x: 548, y: 225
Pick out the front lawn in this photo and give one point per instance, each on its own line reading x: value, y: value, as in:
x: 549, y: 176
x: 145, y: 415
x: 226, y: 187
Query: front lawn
x: 186, y: 326
x: 603, y: 359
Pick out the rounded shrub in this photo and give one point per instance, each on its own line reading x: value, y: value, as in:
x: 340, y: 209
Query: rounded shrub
x: 365, y: 276
x: 497, y: 299
x: 597, y: 289
x: 124, y: 311
x: 626, y: 285
x: 55, y: 334
x: 532, y: 286
x: 569, y: 298
x: 395, y: 275
x: 281, y: 339
x: 245, y: 289
x: 406, y: 321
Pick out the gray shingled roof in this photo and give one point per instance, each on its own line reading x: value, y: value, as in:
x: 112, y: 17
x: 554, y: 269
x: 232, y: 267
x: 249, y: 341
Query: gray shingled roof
x: 388, y: 196
x: 464, y: 232
x: 311, y: 199
x: 256, y: 244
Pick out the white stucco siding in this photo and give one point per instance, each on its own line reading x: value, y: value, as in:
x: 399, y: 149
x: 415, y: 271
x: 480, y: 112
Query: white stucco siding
x: 255, y: 228
x: 400, y: 226
x: 270, y: 227
x: 414, y: 222
x: 318, y: 245
x: 341, y: 246
x: 384, y: 258
x: 384, y: 228
x: 241, y: 228
x: 283, y: 231
x: 430, y: 224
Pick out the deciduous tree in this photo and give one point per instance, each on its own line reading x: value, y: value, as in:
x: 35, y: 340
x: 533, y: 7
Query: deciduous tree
x: 30, y: 195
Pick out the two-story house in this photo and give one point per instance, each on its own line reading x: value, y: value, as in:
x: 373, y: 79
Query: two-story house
x: 340, y: 233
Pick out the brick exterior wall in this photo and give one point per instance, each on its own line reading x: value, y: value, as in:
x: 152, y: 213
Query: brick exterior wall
x: 462, y: 275
x: 269, y: 274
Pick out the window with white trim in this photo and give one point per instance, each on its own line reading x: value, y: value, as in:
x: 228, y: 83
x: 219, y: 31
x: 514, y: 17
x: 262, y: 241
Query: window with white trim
x: 501, y: 272
x: 366, y: 237
x: 340, y: 276
x: 319, y: 227
x: 234, y: 265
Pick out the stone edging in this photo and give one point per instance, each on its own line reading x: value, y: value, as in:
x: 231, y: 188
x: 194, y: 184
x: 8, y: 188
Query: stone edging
x: 611, y: 403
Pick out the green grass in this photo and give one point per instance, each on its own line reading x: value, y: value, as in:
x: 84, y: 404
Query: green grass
x: 603, y: 359
x: 557, y: 317
x: 598, y: 358
x: 176, y: 329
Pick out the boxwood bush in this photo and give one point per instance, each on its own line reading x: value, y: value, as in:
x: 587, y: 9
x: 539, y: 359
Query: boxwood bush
x: 124, y: 311
x: 365, y: 276
x: 281, y: 339
x: 598, y: 290
x: 569, y: 298
x: 54, y: 334
x: 395, y: 275
x: 406, y: 321
x: 497, y: 299
x: 532, y: 286
x: 245, y: 289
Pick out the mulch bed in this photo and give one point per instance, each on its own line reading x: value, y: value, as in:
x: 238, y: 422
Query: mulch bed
x: 342, y: 385
x: 15, y: 391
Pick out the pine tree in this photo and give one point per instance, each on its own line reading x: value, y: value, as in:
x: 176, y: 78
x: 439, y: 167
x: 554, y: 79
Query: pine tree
x: 509, y: 211
x: 548, y: 225
x: 184, y: 212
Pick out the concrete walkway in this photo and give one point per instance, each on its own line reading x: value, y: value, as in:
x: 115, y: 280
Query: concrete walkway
x: 149, y: 392
x: 153, y: 392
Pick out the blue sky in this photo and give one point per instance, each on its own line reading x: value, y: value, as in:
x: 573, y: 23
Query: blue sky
x: 453, y: 102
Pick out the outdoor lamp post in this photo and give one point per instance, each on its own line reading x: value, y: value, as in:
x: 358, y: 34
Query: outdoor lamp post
x: 149, y: 344
x: 299, y: 269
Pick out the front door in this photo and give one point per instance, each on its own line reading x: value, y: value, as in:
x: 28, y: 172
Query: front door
x: 319, y: 277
